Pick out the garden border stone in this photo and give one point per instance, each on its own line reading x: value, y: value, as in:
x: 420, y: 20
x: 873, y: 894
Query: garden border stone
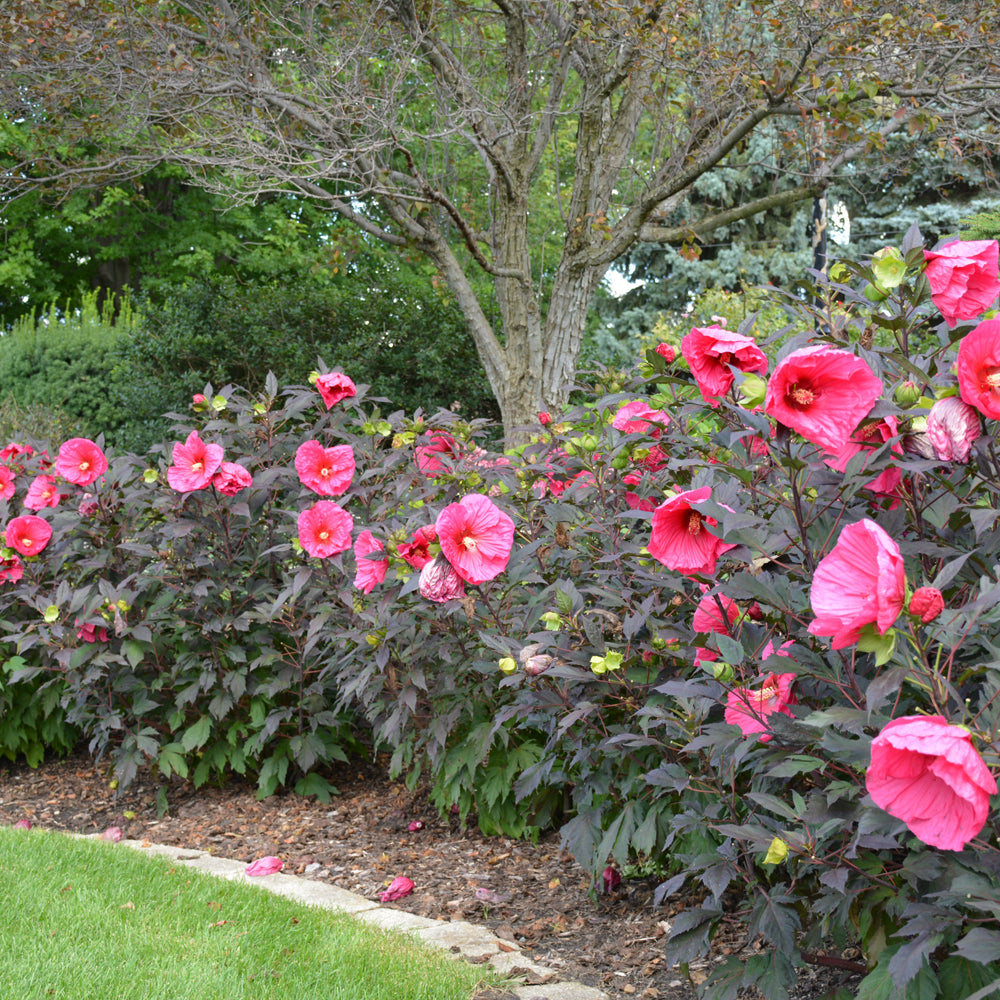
x: 458, y: 937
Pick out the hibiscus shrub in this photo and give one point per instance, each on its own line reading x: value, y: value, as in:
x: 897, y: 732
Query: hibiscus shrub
x: 738, y: 616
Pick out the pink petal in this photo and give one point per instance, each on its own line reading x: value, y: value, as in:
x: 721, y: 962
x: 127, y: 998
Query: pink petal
x: 265, y: 866
x: 398, y: 888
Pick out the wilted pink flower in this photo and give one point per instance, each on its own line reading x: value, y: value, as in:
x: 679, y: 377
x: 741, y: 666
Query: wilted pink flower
x: 11, y: 569
x: 267, y: 865
x: 823, y: 393
x: 703, y: 654
x: 427, y: 458
x: 708, y: 617
x: 43, y: 492
x: 417, y: 550
x: 325, y: 529
x: 978, y: 368
x: 545, y: 418
x: 88, y: 506
x: 6, y: 482
x: 638, y: 418
x: 398, y: 888
x: 327, y: 471
x: 680, y: 538
x: 112, y: 834
x: 926, y: 604
x: 865, y: 439
x: 952, y: 429
x: 198, y: 401
x: 928, y: 774
x: 335, y: 386
x: 415, y: 826
x: 23, y: 824
x: 859, y: 582
x: 88, y: 632
x: 28, y: 534
x: 476, y: 537
x: 537, y: 664
x: 439, y: 582
x: 231, y: 479
x: 370, y: 572
x: 712, y: 352
x: 80, y: 461
x: 666, y: 352
x: 964, y: 278
x: 749, y: 708
x: 612, y: 879
x: 195, y: 463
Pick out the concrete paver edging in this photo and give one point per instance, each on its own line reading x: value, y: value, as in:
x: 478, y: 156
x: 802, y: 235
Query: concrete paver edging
x: 455, y: 936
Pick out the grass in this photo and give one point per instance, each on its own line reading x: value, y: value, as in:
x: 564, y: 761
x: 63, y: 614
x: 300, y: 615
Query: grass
x: 86, y: 920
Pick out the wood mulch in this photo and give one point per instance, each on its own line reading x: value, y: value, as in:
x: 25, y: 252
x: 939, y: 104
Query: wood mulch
x: 533, y: 895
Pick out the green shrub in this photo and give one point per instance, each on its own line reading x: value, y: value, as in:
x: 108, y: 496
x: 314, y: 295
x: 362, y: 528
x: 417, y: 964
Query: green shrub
x: 382, y: 323
x: 59, y: 363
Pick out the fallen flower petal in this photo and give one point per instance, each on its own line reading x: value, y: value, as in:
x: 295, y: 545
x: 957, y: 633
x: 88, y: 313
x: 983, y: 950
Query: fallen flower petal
x: 23, y: 824
x: 612, y: 879
x: 398, y: 888
x: 112, y: 834
x: 493, y: 898
x: 265, y: 866
x: 415, y: 825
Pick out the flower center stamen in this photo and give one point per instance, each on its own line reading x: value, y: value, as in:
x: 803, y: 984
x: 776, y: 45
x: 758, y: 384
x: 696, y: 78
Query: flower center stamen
x: 801, y: 396
x: 694, y: 522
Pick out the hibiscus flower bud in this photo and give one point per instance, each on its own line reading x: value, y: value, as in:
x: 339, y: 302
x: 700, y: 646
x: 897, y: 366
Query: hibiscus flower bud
x: 952, y: 428
x: 907, y: 393
x: 439, y: 582
x: 535, y: 665
x: 398, y: 888
x: 508, y: 664
x: 545, y: 418
x: 926, y: 604
x: 889, y: 267
x: 667, y: 352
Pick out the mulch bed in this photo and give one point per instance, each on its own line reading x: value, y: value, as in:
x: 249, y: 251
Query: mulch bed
x: 535, y: 894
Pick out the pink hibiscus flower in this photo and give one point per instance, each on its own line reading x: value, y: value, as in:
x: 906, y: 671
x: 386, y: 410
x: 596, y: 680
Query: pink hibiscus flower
x: 749, y: 708
x: 712, y: 352
x: 88, y: 632
x: 43, y: 492
x: 860, y: 582
x: 476, y: 537
x: 370, y: 572
x: 325, y: 529
x: 327, y: 471
x: 822, y: 393
x: 978, y: 368
x: 427, y: 458
x: 417, y: 550
x: 335, y: 386
x: 231, y: 479
x: 708, y: 618
x: 28, y: 534
x: 637, y: 418
x: 195, y: 463
x: 11, y: 569
x: 680, y: 536
x: 80, y: 461
x: 964, y: 277
x: 928, y: 774
x: 14, y: 450
x: 866, y: 439
x: 6, y: 482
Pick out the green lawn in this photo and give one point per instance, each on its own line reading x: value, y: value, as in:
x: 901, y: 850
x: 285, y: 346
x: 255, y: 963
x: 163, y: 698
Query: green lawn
x: 86, y: 920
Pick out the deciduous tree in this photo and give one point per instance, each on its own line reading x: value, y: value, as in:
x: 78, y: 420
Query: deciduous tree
x: 454, y: 127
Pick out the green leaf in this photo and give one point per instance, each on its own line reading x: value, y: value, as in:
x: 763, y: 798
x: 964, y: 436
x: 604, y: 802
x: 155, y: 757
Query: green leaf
x: 195, y: 736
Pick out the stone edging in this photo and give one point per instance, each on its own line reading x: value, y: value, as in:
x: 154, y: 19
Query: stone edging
x: 455, y: 936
